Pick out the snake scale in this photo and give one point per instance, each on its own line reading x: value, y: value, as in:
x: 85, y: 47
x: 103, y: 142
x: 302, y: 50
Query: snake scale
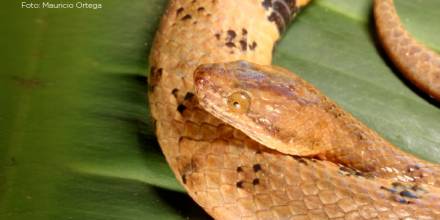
x: 310, y: 160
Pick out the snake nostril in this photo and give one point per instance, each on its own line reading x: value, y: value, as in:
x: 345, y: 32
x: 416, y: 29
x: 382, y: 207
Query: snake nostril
x: 199, y: 81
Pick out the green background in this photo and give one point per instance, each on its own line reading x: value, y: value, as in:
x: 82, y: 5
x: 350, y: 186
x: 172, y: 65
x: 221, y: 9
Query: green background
x: 76, y: 140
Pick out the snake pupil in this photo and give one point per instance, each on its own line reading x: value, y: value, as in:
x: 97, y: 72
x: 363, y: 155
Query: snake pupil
x: 236, y: 105
x: 239, y: 102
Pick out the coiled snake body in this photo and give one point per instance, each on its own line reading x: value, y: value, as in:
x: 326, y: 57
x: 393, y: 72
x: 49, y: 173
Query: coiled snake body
x: 295, y: 154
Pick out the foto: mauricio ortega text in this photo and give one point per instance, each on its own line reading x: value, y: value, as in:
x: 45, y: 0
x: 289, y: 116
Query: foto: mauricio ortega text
x: 50, y: 5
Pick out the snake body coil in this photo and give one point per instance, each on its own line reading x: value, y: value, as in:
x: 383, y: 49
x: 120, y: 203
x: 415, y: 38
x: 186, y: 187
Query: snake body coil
x: 234, y: 177
x: 418, y: 64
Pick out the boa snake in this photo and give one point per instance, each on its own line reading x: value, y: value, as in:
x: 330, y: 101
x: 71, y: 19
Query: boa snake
x: 317, y: 163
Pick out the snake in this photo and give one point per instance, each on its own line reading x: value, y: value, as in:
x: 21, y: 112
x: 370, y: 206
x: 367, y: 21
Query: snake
x: 249, y: 140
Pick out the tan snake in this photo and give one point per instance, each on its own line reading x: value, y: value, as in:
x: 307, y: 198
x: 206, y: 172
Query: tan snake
x: 295, y: 154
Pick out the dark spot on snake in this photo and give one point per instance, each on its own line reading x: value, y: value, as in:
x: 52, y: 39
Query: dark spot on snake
x: 200, y: 9
x: 293, y: 7
x: 189, y: 96
x: 230, y: 44
x: 278, y: 20
x: 257, y: 167
x: 350, y: 171
x: 346, y: 171
x: 387, y: 189
x: 181, y: 108
x: 267, y: 4
x: 303, y: 161
x: 300, y: 159
x: 296, y: 157
x: 253, y: 45
x: 283, y: 9
x: 195, y: 22
x: 401, y: 191
x: 255, y: 182
x: 401, y: 200
x: 155, y: 77
x: 181, y: 140
x: 174, y: 92
x: 417, y: 188
x: 152, y: 69
x: 243, y: 45
x: 408, y: 194
x: 217, y: 36
x: 194, y: 1
x: 231, y: 35
x: 239, y: 184
x: 186, y: 17
x: 179, y: 11
x: 185, y: 169
x: 244, y: 31
x: 239, y: 169
x: 358, y: 173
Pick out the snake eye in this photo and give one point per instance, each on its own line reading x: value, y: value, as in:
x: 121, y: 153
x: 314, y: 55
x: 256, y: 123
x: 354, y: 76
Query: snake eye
x: 239, y: 102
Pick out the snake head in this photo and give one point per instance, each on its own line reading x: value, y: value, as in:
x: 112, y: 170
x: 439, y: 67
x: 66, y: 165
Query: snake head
x: 269, y: 104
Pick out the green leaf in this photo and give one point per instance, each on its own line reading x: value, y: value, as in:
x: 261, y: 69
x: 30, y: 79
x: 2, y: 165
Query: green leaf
x: 76, y: 140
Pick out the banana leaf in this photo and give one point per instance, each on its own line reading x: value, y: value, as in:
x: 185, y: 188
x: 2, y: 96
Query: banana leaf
x: 76, y: 138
